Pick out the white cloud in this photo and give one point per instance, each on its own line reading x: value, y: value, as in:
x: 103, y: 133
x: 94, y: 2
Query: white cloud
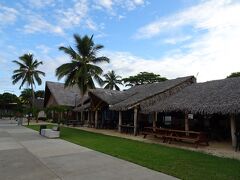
x: 177, y: 39
x: 110, y: 5
x: 43, y: 48
x: 213, y: 53
x: 40, y: 3
x: 73, y: 16
x: 7, y: 15
x: 208, y: 15
x: 39, y: 24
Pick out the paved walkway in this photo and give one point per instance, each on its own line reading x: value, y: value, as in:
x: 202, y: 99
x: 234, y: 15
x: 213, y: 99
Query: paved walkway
x: 24, y: 155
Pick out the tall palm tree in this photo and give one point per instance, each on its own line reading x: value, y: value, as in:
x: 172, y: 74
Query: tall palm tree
x: 112, y: 80
x: 27, y: 72
x: 82, y: 70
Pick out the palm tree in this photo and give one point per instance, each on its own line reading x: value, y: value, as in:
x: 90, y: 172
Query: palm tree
x: 112, y: 80
x: 82, y: 70
x: 27, y: 72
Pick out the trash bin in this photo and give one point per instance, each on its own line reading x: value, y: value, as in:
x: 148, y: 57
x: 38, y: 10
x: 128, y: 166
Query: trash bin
x: 19, y: 121
x: 42, y: 127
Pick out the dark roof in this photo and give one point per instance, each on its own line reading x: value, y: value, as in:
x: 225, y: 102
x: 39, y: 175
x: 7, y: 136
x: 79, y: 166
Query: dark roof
x: 219, y: 96
x: 137, y: 94
x: 68, y: 96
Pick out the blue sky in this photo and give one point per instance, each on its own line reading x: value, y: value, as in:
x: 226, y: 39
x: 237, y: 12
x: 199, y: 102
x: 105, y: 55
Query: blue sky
x: 172, y: 38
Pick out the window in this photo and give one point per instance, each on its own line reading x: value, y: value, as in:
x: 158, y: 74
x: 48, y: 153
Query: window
x: 167, y: 120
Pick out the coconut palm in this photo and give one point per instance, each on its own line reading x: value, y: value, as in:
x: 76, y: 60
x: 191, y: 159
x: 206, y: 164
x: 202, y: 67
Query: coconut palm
x: 27, y: 72
x: 112, y: 80
x: 83, y: 69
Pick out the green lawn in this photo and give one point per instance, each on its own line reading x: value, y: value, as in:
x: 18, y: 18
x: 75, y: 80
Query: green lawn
x: 180, y: 163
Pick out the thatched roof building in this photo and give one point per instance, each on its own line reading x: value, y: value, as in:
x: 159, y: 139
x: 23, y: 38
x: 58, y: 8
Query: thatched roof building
x: 219, y: 96
x: 150, y: 93
x: 57, y: 94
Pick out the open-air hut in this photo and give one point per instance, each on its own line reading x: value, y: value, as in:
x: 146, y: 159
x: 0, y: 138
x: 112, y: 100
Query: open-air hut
x: 58, y: 95
x: 213, y: 104
x: 147, y: 95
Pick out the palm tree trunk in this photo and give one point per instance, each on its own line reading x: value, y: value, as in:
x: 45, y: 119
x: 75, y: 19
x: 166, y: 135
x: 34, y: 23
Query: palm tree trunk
x: 33, y: 99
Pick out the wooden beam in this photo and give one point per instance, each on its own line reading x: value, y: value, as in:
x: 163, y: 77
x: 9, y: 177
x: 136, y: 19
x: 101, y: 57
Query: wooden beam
x: 96, y: 118
x: 186, y: 122
x: 135, y: 120
x: 119, y: 121
x: 155, y: 121
x: 233, y: 129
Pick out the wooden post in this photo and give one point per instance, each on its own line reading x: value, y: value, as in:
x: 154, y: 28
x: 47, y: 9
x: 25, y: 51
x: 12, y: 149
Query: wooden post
x: 88, y: 120
x: 186, y: 123
x: 77, y: 116
x: 154, y: 121
x: 96, y: 118
x: 135, y: 120
x: 119, y: 121
x: 233, y: 129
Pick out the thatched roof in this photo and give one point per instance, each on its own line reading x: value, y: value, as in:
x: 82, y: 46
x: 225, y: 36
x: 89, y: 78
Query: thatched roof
x: 110, y: 97
x: 68, y: 96
x: 140, y: 93
x: 219, y: 96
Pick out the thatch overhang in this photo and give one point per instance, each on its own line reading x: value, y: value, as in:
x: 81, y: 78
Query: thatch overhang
x: 64, y: 96
x: 149, y: 92
x: 83, y: 107
x: 219, y: 96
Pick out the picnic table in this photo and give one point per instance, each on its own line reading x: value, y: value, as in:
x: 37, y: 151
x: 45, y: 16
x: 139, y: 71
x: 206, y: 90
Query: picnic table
x: 128, y: 129
x: 169, y: 135
x: 74, y: 123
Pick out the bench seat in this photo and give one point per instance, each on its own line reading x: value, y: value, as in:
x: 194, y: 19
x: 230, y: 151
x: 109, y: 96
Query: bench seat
x: 49, y: 133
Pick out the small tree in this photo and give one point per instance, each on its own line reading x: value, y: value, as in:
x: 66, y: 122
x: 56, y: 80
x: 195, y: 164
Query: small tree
x: 143, y: 78
x: 234, y: 74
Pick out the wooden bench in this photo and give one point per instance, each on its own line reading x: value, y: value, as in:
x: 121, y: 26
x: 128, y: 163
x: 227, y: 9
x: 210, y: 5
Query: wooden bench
x: 74, y: 123
x: 170, y: 135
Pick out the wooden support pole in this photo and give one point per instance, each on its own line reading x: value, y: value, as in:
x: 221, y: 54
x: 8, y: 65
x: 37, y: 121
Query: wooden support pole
x: 186, y: 122
x: 155, y: 121
x: 135, y: 120
x: 119, y: 121
x: 233, y: 129
x: 88, y: 118
x: 77, y: 116
x: 96, y: 118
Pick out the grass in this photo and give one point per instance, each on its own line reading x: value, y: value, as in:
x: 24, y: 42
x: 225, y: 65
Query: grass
x: 180, y: 163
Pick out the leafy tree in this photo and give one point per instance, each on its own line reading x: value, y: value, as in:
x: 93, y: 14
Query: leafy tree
x: 234, y: 74
x: 112, y: 80
x: 26, y: 96
x: 9, y: 102
x: 28, y: 72
x: 39, y: 94
x: 82, y: 70
x: 143, y: 78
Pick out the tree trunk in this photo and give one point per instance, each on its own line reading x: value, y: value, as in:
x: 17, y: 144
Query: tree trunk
x: 33, y: 99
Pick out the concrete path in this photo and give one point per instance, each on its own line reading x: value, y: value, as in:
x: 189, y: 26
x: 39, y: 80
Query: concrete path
x: 24, y: 155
